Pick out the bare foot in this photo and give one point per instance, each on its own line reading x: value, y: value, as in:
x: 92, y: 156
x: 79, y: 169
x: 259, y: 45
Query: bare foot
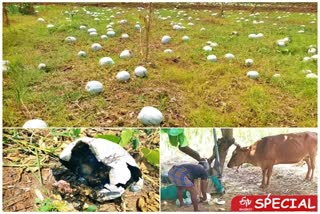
x: 263, y: 186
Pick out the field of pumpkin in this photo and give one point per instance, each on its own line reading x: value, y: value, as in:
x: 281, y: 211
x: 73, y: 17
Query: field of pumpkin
x: 82, y: 65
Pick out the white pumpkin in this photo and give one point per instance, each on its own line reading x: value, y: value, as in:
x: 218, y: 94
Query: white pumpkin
x: 106, y: 61
x: 276, y: 75
x: 185, y: 38
x: 260, y: 35
x: 177, y: 27
x: 42, y: 66
x: 96, y: 47
x: 312, y: 50
x: 306, y: 59
x: 40, y: 20
x: 124, y: 36
x: 281, y: 43
x: 212, y: 58
x: 165, y: 39
x: 93, y: 33
x: 286, y: 39
x: 5, y: 65
x: 111, y: 33
x: 253, y: 74
x: 71, y: 39
x: 82, y: 54
x: 104, y: 37
x: 125, y: 54
x: 207, y: 48
x: 49, y: 26
x: 90, y: 30
x: 229, y: 56
x: 83, y: 27
x: 111, y: 155
x: 312, y: 76
x: 94, y: 86
x: 314, y: 57
x: 306, y: 71
x: 150, y: 116
x: 248, y: 62
x: 213, y: 44
x: 137, y: 27
x: 123, y: 22
x: 123, y: 76
x: 35, y: 124
x: 252, y: 36
x: 140, y: 71
x: 168, y: 51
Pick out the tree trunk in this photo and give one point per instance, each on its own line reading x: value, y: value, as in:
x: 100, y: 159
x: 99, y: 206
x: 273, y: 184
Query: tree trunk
x: 148, y: 20
x: 5, y: 15
x: 253, y: 10
x: 221, y: 9
x: 223, y: 143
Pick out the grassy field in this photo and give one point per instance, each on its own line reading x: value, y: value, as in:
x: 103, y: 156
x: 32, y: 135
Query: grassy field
x: 184, y: 86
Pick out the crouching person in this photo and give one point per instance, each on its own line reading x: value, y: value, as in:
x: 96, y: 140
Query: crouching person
x: 183, y: 176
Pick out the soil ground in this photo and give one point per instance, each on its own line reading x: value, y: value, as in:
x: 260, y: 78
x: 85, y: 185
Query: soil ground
x: 22, y: 185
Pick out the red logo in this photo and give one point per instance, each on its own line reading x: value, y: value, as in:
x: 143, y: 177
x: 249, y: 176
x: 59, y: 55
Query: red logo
x: 274, y: 203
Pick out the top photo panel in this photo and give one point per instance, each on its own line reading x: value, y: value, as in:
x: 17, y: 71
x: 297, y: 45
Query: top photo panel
x: 160, y: 64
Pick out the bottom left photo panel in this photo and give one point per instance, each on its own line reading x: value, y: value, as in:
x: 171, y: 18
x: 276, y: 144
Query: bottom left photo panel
x: 80, y: 169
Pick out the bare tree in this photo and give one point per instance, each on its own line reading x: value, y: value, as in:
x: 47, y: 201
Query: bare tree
x: 253, y: 10
x: 148, y: 21
x: 223, y: 146
x: 5, y: 15
x: 221, y: 9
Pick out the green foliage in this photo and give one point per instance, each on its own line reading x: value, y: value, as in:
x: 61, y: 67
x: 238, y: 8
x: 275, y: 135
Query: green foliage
x: 51, y: 205
x: 109, y: 137
x: 26, y: 8
x: 135, y: 143
x: 91, y: 208
x: 12, y: 8
x: 46, y: 205
x: 152, y: 156
x: 126, y: 136
x: 73, y: 133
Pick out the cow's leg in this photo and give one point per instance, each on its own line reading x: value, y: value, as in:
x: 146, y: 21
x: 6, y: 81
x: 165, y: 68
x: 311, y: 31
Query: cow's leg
x: 313, y: 164
x: 264, y: 172
x: 307, y: 160
x: 269, y: 173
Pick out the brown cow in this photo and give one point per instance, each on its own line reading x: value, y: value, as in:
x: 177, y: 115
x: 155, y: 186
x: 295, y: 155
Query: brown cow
x: 278, y: 149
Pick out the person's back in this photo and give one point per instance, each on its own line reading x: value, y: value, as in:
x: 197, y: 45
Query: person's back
x: 196, y: 171
x: 183, y: 177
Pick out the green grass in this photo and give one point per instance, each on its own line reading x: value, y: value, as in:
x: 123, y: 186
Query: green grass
x: 183, y: 85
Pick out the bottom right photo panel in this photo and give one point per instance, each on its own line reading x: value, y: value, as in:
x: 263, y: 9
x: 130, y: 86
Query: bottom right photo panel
x: 238, y: 169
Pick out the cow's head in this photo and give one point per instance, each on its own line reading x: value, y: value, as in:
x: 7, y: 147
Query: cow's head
x: 239, y: 156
